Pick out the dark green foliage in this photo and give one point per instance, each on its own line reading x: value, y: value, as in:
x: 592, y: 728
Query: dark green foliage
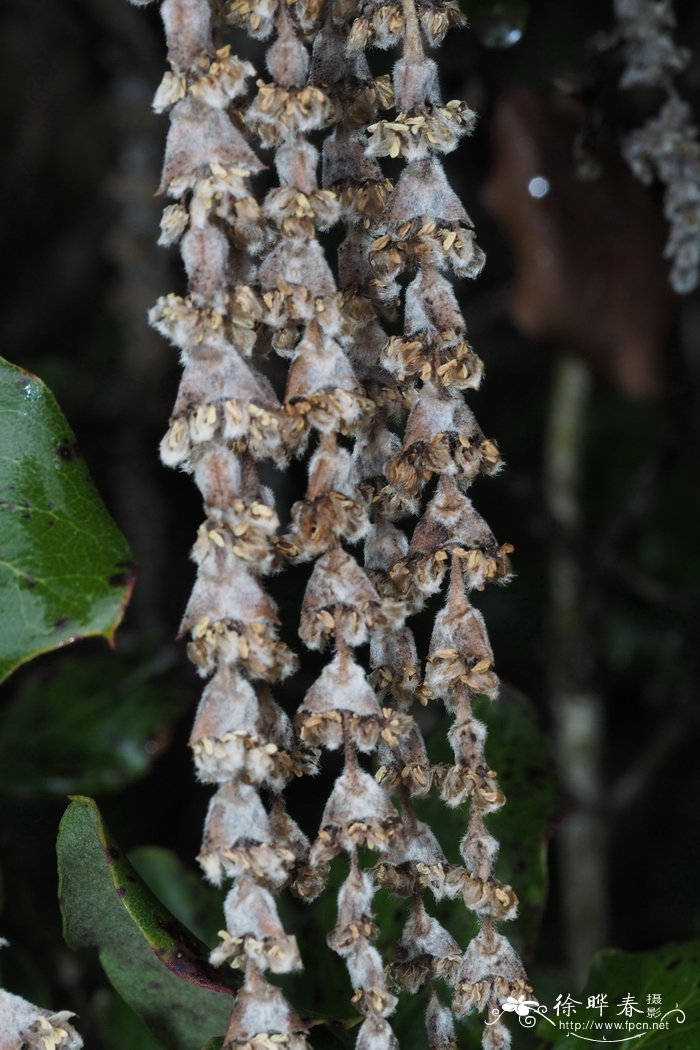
x: 109, y: 723
x: 119, y: 1026
x: 181, y: 890
x: 65, y: 569
x: 671, y: 973
x: 159, y: 967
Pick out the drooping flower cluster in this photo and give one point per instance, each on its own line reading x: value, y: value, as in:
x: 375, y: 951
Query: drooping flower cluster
x: 387, y: 434
x: 666, y: 147
x: 651, y: 54
x: 423, y: 232
x: 28, y: 1027
x: 227, y: 418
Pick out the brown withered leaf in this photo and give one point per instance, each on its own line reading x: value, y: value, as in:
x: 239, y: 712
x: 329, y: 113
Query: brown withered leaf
x: 589, y: 270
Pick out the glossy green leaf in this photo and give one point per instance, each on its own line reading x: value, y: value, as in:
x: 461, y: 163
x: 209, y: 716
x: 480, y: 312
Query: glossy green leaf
x: 661, y: 987
x: 65, y: 569
x: 214, y: 1044
x: 158, y: 967
x: 86, y: 726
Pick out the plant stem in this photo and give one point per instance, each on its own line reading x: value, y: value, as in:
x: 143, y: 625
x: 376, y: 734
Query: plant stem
x: 577, y: 708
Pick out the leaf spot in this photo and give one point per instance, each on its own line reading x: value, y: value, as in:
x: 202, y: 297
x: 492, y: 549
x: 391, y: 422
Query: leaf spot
x: 68, y: 450
x: 120, y: 579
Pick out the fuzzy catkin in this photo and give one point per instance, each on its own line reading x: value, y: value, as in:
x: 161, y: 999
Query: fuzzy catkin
x: 422, y: 232
x: 29, y: 1027
x: 666, y: 147
x: 383, y: 423
x: 226, y: 419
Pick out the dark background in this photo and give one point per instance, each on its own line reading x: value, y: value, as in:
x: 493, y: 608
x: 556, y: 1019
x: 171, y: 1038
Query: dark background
x: 77, y: 234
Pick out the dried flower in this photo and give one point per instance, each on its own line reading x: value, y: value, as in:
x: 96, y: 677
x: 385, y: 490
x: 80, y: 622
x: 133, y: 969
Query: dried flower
x: 262, y: 1018
x: 226, y: 418
x: 490, y: 971
x: 423, y: 230
x: 440, y: 1025
x: 378, y: 419
x: 651, y: 54
x: 426, y: 950
x: 254, y: 933
x: 667, y: 146
x: 32, y: 1028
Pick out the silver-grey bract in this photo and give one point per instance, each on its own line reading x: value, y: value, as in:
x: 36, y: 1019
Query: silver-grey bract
x: 259, y: 280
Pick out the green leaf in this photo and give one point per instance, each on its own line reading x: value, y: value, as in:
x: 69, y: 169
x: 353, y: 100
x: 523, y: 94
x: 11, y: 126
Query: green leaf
x: 197, y: 906
x: 670, y: 973
x: 118, y: 1025
x: 158, y: 967
x: 83, y: 729
x: 323, y: 987
x: 65, y: 569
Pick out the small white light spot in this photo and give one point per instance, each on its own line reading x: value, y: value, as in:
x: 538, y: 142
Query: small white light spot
x: 538, y: 187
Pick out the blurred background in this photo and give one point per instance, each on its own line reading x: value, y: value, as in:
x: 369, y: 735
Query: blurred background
x: 592, y: 391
